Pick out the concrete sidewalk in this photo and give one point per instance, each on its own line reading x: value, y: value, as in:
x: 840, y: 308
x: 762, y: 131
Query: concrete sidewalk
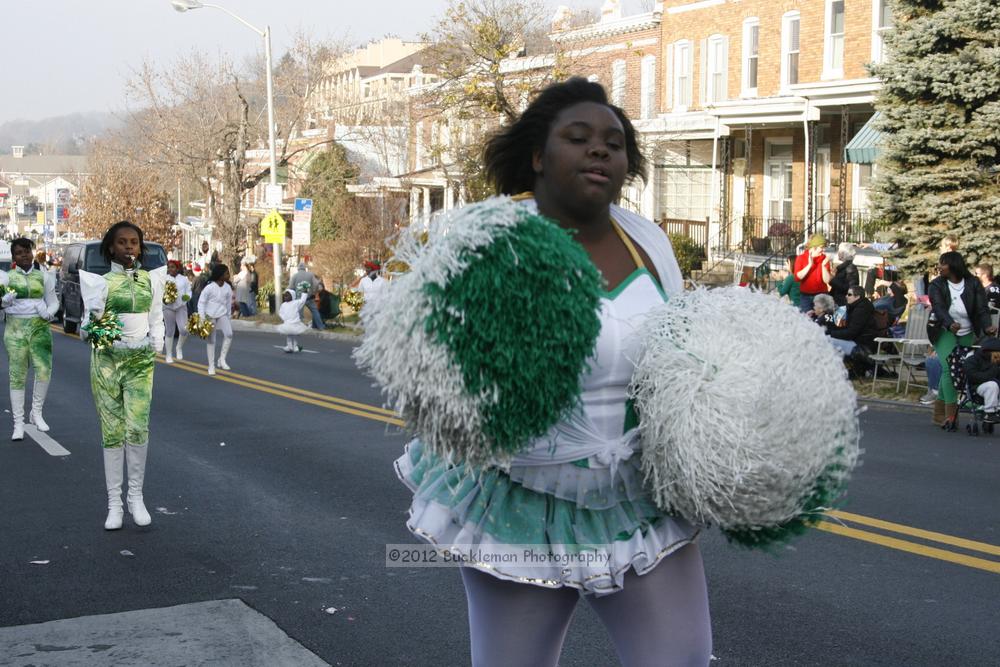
x: 220, y: 632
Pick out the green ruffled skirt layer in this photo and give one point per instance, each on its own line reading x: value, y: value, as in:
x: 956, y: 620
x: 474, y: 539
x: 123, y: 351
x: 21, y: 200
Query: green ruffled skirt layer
x: 488, y: 518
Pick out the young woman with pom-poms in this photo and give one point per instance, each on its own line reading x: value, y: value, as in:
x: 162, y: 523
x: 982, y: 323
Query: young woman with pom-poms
x: 30, y: 303
x: 121, y: 372
x: 568, y: 158
x: 216, y: 304
x: 175, y: 313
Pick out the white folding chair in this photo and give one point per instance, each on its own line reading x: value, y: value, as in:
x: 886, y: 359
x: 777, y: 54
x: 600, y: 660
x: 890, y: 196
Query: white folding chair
x: 909, y: 351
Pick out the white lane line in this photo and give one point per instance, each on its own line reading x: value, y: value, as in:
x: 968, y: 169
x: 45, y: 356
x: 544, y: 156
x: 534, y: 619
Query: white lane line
x: 52, y: 447
x: 282, y: 347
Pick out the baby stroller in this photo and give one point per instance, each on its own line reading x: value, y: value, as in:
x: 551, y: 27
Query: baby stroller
x: 968, y: 400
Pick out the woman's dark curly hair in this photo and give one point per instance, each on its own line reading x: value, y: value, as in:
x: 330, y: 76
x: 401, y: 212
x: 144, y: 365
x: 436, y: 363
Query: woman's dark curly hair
x: 109, y: 238
x: 508, y: 154
x: 218, y: 271
x: 22, y: 242
x: 956, y: 265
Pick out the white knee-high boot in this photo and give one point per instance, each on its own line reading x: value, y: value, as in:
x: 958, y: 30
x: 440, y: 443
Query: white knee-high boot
x: 135, y: 459
x: 180, y: 346
x: 211, y: 358
x: 289, y: 345
x: 226, y: 342
x: 38, y: 393
x: 17, y: 412
x: 168, y: 349
x: 113, y: 460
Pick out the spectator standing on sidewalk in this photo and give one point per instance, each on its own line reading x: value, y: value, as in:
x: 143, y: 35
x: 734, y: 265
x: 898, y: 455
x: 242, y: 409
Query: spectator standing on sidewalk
x: 846, y: 274
x: 305, y: 276
x: 789, y: 286
x: 960, y: 314
x: 812, y: 271
x: 244, y: 295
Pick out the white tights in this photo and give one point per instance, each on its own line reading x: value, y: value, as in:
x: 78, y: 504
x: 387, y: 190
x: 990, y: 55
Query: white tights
x: 660, y: 618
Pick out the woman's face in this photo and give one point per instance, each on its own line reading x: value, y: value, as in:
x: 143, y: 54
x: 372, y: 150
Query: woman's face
x: 818, y: 307
x: 22, y: 257
x: 944, y: 271
x: 125, y: 246
x: 172, y: 270
x: 226, y: 276
x: 584, y: 162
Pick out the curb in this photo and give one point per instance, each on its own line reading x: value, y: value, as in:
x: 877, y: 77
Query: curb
x: 243, y: 325
x: 894, y: 404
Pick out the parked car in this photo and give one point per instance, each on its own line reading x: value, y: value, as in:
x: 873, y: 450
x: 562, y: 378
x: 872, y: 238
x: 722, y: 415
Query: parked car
x: 86, y: 256
x: 5, y: 259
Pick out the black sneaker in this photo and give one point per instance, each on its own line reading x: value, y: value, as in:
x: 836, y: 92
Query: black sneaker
x: 991, y: 417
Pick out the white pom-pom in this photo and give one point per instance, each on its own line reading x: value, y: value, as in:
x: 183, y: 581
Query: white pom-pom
x: 745, y: 410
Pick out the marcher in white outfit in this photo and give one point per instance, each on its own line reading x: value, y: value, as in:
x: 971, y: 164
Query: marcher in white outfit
x: 216, y: 303
x: 291, y: 319
x: 372, y: 285
x: 30, y: 304
x: 175, y: 314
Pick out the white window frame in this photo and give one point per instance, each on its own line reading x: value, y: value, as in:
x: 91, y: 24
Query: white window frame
x: 878, y: 31
x: 746, y: 90
x: 618, y: 80
x: 682, y: 102
x: 785, y: 163
x: 715, y: 63
x: 786, y: 37
x: 647, y: 87
x: 830, y: 71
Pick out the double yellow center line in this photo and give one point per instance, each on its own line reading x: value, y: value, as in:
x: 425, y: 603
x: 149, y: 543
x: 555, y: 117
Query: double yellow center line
x: 968, y: 553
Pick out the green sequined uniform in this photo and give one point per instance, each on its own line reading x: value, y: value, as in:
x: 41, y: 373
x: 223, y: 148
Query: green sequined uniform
x: 122, y: 378
x: 28, y: 339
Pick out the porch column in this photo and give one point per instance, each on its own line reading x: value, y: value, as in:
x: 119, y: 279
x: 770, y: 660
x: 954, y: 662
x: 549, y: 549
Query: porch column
x: 414, y: 204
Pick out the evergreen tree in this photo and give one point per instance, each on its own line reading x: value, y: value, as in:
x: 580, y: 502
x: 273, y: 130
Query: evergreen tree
x: 940, y: 103
x: 326, y: 184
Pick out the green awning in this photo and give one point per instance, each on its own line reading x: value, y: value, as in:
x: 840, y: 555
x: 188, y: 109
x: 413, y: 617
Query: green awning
x: 863, y: 148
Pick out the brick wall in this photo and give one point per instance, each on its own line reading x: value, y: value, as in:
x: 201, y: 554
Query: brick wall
x: 727, y: 19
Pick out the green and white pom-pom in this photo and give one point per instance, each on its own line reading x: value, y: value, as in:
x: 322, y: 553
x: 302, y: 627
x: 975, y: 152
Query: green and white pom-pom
x: 103, y: 331
x: 748, y: 420
x: 482, y: 343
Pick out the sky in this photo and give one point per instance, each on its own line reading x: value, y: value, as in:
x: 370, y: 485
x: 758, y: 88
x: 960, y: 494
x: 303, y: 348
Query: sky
x: 66, y: 56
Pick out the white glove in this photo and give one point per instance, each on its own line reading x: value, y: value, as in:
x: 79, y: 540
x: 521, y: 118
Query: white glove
x: 8, y: 299
x: 42, y: 311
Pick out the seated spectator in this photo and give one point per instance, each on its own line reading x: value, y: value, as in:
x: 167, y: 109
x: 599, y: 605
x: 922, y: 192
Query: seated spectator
x: 823, y: 311
x: 860, y: 329
x: 788, y: 286
x: 982, y: 370
x: 894, y: 302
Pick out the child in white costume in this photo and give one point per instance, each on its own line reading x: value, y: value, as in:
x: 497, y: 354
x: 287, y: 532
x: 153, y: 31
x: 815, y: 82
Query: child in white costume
x: 175, y: 313
x: 291, y: 319
x: 216, y: 303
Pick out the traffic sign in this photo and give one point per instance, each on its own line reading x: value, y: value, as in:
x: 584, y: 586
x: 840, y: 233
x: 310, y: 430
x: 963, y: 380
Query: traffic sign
x: 274, y: 195
x: 302, y: 222
x: 272, y: 227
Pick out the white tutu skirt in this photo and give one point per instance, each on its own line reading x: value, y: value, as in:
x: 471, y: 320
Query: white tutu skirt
x: 292, y: 328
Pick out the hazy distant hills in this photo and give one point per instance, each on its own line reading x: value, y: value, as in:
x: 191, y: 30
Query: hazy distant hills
x: 63, y: 135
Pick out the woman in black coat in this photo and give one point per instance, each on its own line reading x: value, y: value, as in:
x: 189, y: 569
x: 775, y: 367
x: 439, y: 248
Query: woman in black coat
x: 861, y: 328
x: 959, y: 314
x: 846, y: 275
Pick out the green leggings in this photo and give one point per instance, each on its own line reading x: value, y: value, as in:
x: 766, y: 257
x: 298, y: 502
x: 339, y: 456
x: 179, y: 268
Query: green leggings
x: 29, y: 342
x: 944, y: 347
x: 122, y: 382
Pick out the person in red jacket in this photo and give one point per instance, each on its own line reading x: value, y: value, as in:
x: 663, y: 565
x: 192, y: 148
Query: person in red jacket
x: 813, y: 272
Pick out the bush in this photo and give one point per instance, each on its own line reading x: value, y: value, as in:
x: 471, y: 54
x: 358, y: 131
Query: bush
x: 689, y: 254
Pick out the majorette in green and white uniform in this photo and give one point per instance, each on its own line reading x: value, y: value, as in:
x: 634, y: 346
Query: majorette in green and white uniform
x: 121, y: 377
x: 30, y: 303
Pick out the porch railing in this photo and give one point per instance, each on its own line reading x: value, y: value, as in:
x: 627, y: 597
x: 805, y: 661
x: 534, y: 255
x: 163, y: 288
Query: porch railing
x: 696, y: 230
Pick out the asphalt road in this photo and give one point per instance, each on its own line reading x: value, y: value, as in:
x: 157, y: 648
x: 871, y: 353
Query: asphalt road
x: 286, y: 500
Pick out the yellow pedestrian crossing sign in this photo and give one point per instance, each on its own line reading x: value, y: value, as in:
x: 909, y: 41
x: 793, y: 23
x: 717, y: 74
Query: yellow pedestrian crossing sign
x: 272, y: 227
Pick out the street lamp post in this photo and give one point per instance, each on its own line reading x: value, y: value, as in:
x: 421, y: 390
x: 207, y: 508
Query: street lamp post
x: 185, y: 5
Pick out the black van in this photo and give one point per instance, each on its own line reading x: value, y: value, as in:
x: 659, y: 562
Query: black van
x: 87, y: 256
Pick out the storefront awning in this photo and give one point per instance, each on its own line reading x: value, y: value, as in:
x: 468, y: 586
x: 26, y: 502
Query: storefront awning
x: 863, y: 148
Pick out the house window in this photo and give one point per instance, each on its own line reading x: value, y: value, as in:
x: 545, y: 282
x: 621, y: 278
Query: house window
x: 882, y: 22
x: 834, y: 39
x: 684, y: 181
x: 790, y: 49
x: 682, y: 75
x: 751, y: 56
x: 715, y: 69
x: 618, y: 83
x: 647, y: 87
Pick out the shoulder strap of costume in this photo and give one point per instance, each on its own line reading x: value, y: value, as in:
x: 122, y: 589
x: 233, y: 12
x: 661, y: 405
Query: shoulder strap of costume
x: 636, y: 257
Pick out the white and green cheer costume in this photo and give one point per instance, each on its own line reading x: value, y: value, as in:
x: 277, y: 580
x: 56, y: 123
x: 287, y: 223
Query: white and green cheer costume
x: 30, y: 303
x: 121, y: 378
x: 579, y: 485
